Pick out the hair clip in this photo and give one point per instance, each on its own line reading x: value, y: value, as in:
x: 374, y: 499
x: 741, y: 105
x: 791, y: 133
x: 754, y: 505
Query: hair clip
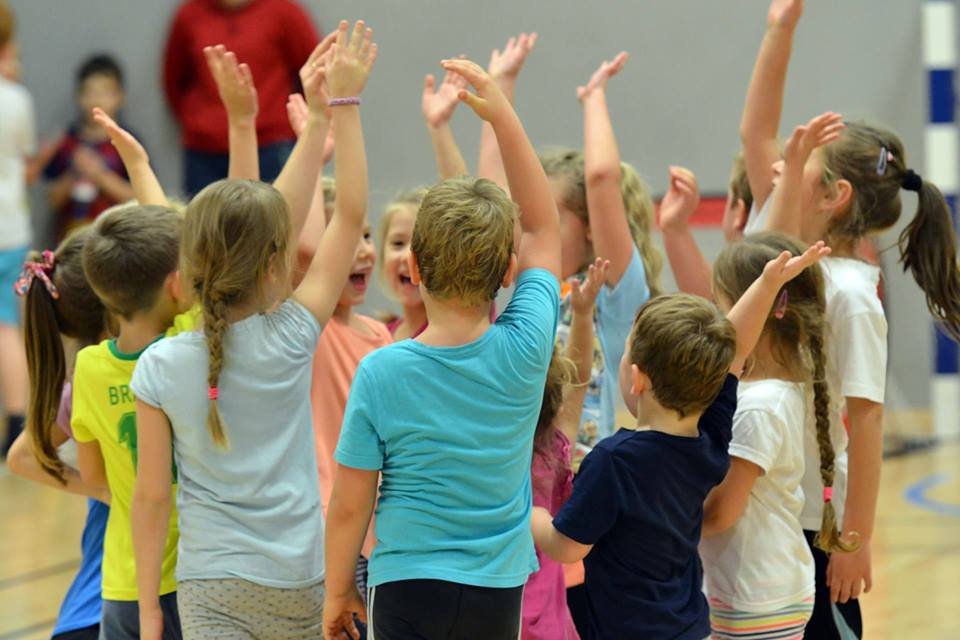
x: 885, y: 157
x: 33, y: 270
x: 781, y: 309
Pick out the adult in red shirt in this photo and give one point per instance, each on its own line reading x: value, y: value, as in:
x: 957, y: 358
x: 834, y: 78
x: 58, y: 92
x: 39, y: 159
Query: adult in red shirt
x: 274, y: 37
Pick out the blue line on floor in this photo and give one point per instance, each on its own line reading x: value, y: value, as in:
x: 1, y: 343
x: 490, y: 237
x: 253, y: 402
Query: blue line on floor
x: 916, y: 494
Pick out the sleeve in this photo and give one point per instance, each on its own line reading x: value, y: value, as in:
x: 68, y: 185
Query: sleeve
x: 717, y: 420
x: 618, y: 305
x: 146, y: 383
x: 59, y: 163
x: 299, y: 37
x: 360, y: 446
x: 80, y: 418
x: 593, y: 507
x: 298, y: 327
x: 860, y: 341
x: 532, y: 317
x: 176, y: 64
x: 757, y: 438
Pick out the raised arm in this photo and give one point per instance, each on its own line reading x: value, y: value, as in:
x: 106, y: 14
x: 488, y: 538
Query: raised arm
x: 529, y: 188
x: 760, y: 121
x: 690, y: 268
x: 608, y: 220
x: 438, y: 105
x: 239, y: 97
x: 750, y: 313
x: 504, y: 68
x: 351, y: 60
x: 146, y: 187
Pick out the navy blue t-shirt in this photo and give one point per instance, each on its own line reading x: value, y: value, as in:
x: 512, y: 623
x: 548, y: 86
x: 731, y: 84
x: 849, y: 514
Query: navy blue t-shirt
x: 638, y: 498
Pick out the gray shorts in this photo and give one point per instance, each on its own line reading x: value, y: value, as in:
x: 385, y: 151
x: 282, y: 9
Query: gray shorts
x: 238, y: 609
x: 121, y: 619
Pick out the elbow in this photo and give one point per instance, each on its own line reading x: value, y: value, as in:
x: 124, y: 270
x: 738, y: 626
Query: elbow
x: 717, y: 522
x: 602, y: 174
x: 151, y: 497
x: 18, y: 459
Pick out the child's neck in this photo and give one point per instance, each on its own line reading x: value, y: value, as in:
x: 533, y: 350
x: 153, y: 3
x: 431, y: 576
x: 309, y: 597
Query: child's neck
x: 655, y: 417
x: 137, y: 334
x: 452, y: 324
x: 414, y: 317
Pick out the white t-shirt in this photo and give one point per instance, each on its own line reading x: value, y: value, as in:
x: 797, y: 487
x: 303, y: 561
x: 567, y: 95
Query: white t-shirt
x: 763, y: 563
x: 856, y: 368
x: 17, y: 141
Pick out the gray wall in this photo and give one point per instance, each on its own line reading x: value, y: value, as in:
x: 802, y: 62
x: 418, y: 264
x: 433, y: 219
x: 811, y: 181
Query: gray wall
x: 678, y: 101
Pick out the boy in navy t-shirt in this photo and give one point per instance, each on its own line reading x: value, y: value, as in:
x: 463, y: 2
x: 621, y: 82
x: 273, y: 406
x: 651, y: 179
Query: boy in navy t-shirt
x: 637, y: 506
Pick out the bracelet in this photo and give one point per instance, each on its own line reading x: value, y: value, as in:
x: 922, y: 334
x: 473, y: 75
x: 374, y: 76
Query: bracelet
x: 342, y: 102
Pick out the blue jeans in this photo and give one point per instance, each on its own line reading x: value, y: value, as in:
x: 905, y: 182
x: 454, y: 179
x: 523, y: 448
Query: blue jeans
x: 202, y: 168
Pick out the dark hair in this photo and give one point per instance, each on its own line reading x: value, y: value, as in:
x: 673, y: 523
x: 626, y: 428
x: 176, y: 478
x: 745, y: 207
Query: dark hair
x: 100, y: 64
x: 77, y: 313
x: 928, y: 246
x: 562, y: 371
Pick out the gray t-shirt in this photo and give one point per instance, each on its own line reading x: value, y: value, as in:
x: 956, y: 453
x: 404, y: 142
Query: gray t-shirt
x: 251, y: 511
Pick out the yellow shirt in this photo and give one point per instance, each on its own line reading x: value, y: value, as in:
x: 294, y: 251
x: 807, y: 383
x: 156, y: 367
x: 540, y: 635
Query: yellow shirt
x: 104, y: 410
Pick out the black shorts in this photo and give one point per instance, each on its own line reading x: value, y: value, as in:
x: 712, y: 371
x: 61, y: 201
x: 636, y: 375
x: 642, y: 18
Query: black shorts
x: 439, y: 610
x: 827, y: 615
x: 89, y: 633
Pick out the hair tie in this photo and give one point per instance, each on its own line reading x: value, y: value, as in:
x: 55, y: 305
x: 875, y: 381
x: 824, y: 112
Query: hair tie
x: 827, y: 494
x: 781, y: 309
x: 911, y: 181
x: 213, y: 392
x: 33, y: 270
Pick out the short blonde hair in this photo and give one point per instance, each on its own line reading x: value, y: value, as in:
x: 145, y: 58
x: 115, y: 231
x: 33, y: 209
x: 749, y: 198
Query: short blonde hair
x: 685, y: 346
x: 463, y: 239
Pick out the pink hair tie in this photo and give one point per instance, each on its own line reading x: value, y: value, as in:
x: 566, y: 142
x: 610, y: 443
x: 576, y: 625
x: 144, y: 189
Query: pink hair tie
x: 343, y: 102
x: 37, y: 271
x: 781, y: 309
x: 213, y: 392
x: 827, y: 494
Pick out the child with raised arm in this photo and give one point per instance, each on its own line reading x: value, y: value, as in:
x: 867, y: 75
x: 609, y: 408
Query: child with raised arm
x: 233, y: 400
x: 448, y: 418
x: 637, y: 506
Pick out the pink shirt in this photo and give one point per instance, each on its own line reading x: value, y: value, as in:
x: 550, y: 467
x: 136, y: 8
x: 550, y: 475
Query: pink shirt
x: 339, y: 351
x: 545, y: 612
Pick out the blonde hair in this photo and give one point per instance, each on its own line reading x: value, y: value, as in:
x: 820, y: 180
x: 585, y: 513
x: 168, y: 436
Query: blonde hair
x: 404, y: 201
x: 233, y: 232
x: 463, y: 239
x: 329, y: 196
x: 739, y: 183
x: 686, y: 376
x: 568, y: 165
x: 798, y: 343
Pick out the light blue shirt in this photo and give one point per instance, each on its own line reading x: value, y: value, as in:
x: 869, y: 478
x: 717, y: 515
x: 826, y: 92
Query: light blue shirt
x: 251, y: 511
x: 451, y: 429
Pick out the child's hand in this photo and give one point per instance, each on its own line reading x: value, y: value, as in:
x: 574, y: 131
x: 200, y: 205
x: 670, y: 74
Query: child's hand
x: 130, y: 150
x: 822, y: 130
x: 338, y: 615
x: 234, y: 82
x: 297, y: 113
x: 489, y: 102
x: 784, y: 14
x: 312, y: 78
x: 786, y: 267
x: 506, y: 65
x: 598, y: 81
x: 87, y: 163
x: 438, y: 104
x: 681, y: 200
x: 151, y: 622
x: 351, y: 59
x: 584, y: 294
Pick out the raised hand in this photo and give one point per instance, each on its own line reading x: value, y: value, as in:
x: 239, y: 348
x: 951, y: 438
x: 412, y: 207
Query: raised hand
x: 234, y: 82
x: 488, y: 102
x: 506, y: 64
x: 130, y: 150
x: 822, y: 130
x: 608, y: 69
x: 351, y: 60
x: 584, y: 294
x: 297, y: 113
x: 681, y: 199
x: 784, y: 14
x: 438, y: 104
x: 313, y: 79
x: 786, y: 266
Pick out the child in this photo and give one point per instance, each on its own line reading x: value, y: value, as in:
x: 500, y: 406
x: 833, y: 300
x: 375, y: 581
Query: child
x: 546, y: 615
x: 448, y: 418
x: 130, y: 260
x: 87, y: 171
x: 234, y: 399
x: 758, y: 569
x: 62, y: 313
x: 393, y: 247
x: 637, y: 504
x: 606, y: 210
x: 17, y: 144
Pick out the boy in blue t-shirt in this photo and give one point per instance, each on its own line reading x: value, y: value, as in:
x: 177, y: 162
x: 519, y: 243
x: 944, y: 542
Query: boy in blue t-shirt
x: 448, y: 418
x: 637, y: 506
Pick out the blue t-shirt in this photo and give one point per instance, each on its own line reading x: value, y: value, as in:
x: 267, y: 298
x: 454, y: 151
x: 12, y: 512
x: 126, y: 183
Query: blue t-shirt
x: 451, y: 429
x: 639, y: 500
x: 612, y: 321
x: 81, y: 605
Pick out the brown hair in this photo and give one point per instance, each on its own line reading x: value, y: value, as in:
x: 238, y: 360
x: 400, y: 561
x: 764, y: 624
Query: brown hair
x: 739, y: 183
x: 561, y: 372
x: 797, y: 340
x: 687, y: 376
x: 129, y: 254
x: 8, y: 24
x: 234, y: 230
x: 567, y: 164
x: 463, y: 239
x: 928, y: 247
x: 75, y: 313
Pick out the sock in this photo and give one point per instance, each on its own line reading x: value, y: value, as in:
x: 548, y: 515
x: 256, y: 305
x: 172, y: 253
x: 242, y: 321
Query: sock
x: 14, y: 429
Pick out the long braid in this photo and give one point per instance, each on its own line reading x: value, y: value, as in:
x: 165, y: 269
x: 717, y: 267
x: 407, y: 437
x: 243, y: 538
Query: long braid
x: 215, y: 329
x: 638, y: 206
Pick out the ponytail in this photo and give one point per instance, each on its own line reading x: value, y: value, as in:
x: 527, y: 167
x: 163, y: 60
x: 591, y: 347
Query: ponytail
x: 638, y: 207
x: 215, y: 329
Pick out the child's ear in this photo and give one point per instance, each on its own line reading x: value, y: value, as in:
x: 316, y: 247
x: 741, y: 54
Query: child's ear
x: 838, y: 199
x: 639, y: 382
x: 414, y: 269
x: 740, y: 213
x: 511, y: 275
x: 174, y: 286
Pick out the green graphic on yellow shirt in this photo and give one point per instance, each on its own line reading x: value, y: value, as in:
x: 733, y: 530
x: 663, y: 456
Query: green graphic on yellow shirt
x: 128, y: 438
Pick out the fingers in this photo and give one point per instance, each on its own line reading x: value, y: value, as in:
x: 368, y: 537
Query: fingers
x: 472, y: 100
x: 531, y: 41
x: 366, y: 44
x: 246, y: 75
x: 618, y: 63
x: 470, y: 70
x: 429, y: 84
x: 356, y: 38
x: 341, y: 37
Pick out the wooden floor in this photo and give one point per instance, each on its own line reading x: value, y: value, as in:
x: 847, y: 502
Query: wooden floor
x: 916, y: 551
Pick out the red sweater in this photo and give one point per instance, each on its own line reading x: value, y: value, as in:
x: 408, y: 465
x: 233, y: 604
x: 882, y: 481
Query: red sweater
x: 274, y: 37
